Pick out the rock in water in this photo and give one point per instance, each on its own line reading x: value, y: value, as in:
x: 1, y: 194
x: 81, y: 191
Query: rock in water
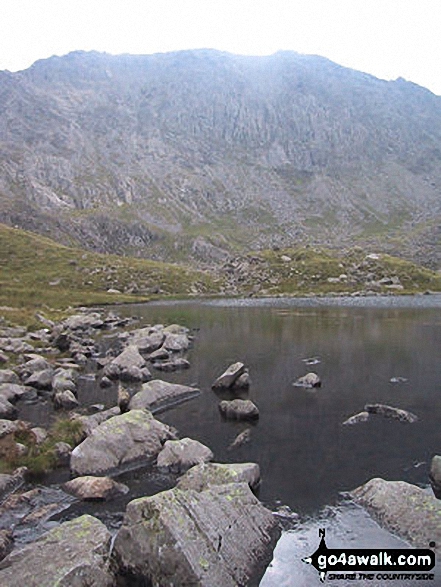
x: 239, y: 409
x: 202, y: 476
x: 241, y: 439
x: 357, y: 419
x: 391, y: 412
x: 158, y: 395
x: 120, y: 440
x: 90, y: 488
x: 403, y: 509
x: 227, y: 379
x: 178, y: 456
x: 75, y: 553
x: 309, y: 380
x: 221, y: 536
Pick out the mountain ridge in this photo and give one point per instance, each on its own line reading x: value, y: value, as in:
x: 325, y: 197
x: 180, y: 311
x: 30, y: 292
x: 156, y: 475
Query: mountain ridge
x: 200, y: 153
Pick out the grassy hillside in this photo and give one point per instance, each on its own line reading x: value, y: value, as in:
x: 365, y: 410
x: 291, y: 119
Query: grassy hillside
x: 37, y: 273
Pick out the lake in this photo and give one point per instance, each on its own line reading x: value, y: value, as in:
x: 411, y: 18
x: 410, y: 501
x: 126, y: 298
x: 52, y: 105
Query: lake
x: 307, y: 458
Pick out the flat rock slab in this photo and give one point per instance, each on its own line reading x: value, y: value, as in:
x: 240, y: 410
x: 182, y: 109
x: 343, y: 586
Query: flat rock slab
x: 159, y: 395
x: 203, y: 476
x: 228, y: 377
x: 123, y: 439
x: 239, y: 409
x: 178, y: 456
x: 90, y: 488
x: 403, y: 509
x: 221, y: 537
x: 74, y: 554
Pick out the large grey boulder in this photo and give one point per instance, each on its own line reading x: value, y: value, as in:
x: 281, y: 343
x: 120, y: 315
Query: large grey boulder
x: 129, y: 365
x: 202, y: 476
x: 123, y: 439
x: 220, y: 537
x: 178, y: 456
x: 75, y: 554
x: 228, y: 377
x: 403, y: 509
x: 158, y: 395
x: 147, y: 340
x: 391, y: 412
x: 176, y: 342
x: 64, y: 380
x: 239, y: 409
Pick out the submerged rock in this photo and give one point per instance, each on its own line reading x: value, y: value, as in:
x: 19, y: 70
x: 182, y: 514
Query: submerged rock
x: 123, y: 439
x: 241, y: 439
x: 75, y: 553
x: 158, y: 395
x: 309, y: 380
x: 239, y: 409
x: 90, y: 488
x: 202, y: 476
x: 391, y: 412
x: 227, y: 379
x: 403, y: 509
x: 221, y: 536
x: 178, y: 456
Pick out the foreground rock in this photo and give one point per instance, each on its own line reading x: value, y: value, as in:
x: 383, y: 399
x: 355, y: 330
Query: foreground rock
x: 74, y: 554
x: 403, y: 509
x: 309, y: 381
x: 391, y: 412
x: 221, y: 536
x: 239, y: 409
x: 178, y: 456
x: 158, y: 395
x: 230, y: 376
x: 203, y: 476
x: 120, y: 440
x: 435, y: 475
x: 90, y: 488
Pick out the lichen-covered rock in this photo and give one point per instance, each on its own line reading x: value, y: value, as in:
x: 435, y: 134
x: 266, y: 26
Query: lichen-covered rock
x: 202, y: 476
x: 90, y: 488
x: 178, y: 456
x: 158, y: 395
x: 123, y: 439
x: 222, y: 536
x: 75, y: 554
x: 239, y: 409
x: 403, y: 509
x: 227, y: 379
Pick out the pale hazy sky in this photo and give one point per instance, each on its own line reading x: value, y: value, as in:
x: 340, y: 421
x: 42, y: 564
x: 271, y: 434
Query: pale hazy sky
x: 387, y: 38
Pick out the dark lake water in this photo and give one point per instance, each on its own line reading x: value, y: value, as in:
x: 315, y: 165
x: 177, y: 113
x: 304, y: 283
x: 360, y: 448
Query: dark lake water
x: 307, y: 458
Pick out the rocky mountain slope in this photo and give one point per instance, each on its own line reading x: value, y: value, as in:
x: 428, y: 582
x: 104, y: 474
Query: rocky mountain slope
x: 201, y: 154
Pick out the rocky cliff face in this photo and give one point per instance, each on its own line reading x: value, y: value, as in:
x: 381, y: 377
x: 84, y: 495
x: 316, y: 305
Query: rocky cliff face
x: 200, y: 152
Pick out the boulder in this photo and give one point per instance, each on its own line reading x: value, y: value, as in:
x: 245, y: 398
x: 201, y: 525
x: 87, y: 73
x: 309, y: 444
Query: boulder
x: 3, y: 358
x: 128, y: 366
x: 64, y: 380
x: 178, y: 456
x: 357, y: 419
x: 40, y: 434
x: 146, y: 340
x: 41, y: 379
x: 35, y: 364
x: 403, y: 509
x: 202, y: 476
x: 241, y: 439
x: 6, y: 543
x: 435, y: 475
x: 7, y: 410
x: 309, y: 380
x: 134, y: 436
x: 221, y: 536
x: 239, y: 409
x: 76, y: 554
x: 62, y: 452
x: 8, y: 376
x: 242, y: 382
x: 13, y: 392
x: 159, y: 355
x: 227, y: 379
x: 391, y: 412
x: 89, y: 423
x: 65, y: 400
x: 10, y: 483
x: 90, y: 488
x: 176, y: 342
x: 83, y: 321
x: 7, y: 427
x: 174, y: 365
x: 159, y: 395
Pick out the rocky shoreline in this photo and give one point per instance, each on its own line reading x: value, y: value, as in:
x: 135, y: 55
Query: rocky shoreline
x: 208, y: 528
